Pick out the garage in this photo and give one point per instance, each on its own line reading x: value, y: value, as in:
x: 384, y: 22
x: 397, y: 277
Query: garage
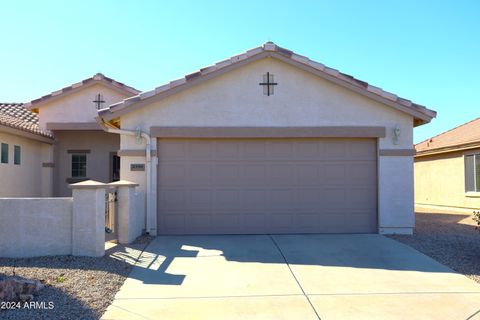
x: 255, y: 186
x: 269, y: 141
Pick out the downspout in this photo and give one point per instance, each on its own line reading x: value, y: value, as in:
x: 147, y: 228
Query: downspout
x: 148, y: 153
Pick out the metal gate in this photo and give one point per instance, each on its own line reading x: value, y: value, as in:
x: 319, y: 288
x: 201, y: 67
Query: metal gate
x: 111, y: 215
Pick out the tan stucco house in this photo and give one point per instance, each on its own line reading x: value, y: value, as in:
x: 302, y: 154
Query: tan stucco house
x: 58, y: 140
x: 267, y: 141
x: 447, y: 169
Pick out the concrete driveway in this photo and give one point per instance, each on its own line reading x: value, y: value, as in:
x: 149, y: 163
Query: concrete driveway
x: 291, y: 277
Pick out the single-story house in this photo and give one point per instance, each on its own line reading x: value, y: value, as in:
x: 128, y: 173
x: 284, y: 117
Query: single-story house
x: 447, y: 169
x: 269, y: 141
x: 24, y: 146
x: 53, y: 141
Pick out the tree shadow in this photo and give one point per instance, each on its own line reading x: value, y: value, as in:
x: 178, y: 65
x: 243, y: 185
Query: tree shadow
x: 364, y: 251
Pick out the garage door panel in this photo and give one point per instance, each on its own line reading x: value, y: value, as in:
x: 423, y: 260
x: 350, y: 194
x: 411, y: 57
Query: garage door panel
x: 173, y: 150
x: 201, y: 174
x: 363, y: 197
x: 335, y: 173
x: 227, y: 150
x: 253, y: 198
x: 253, y: 173
x: 361, y: 151
x: 226, y: 198
x: 334, y: 150
x: 173, y: 174
x: 201, y: 150
x: 252, y: 150
x: 308, y: 174
x: 228, y: 186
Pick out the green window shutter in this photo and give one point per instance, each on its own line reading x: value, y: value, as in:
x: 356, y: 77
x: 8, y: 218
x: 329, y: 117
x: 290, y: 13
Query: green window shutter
x: 4, y: 153
x: 16, y: 155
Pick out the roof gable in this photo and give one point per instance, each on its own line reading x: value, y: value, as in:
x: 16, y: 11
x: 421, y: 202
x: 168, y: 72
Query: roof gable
x: 96, y: 79
x: 420, y: 113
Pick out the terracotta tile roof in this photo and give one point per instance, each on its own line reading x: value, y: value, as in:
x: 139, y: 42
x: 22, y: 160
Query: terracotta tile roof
x: 463, y: 136
x: 422, y: 114
x: 96, y: 78
x: 16, y: 116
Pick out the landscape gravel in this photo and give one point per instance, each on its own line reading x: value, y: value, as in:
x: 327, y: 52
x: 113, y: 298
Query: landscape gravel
x: 79, y: 287
x: 449, y: 238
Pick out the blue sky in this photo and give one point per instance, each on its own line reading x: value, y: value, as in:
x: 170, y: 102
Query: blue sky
x: 426, y: 51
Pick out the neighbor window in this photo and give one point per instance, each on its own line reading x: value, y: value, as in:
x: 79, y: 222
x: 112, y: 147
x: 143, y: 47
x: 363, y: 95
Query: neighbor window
x: 4, y: 153
x: 472, y: 173
x: 79, y: 165
x: 16, y: 155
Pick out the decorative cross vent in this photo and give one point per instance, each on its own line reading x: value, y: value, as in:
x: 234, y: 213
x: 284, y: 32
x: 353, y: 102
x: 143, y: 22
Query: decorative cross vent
x: 99, y: 101
x: 268, y: 84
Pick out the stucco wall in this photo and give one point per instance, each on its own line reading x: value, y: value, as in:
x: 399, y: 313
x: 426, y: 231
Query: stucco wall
x: 300, y: 99
x: 29, y: 179
x: 440, y: 181
x: 100, y: 144
x: 77, y: 106
x: 35, y: 227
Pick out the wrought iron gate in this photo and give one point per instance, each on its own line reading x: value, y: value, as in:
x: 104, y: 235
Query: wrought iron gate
x: 110, y: 213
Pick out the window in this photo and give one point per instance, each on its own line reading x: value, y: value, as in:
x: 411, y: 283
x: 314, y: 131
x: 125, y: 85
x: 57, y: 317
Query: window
x: 4, y: 153
x: 79, y: 165
x: 472, y: 173
x: 16, y: 155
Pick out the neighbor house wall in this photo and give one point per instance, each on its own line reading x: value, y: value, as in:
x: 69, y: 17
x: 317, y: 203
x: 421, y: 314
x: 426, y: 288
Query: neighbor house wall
x: 100, y: 146
x: 31, y: 178
x: 301, y: 99
x: 440, y: 181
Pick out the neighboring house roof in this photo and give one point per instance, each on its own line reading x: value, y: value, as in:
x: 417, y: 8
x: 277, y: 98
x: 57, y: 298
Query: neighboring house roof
x: 98, y: 78
x: 420, y: 113
x: 465, y: 136
x: 16, y: 116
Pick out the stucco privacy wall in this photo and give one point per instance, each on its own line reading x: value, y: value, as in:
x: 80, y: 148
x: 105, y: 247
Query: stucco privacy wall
x: 99, y: 143
x: 77, y: 106
x: 440, y: 181
x: 30, y: 178
x: 301, y: 99
x: 35, y: 227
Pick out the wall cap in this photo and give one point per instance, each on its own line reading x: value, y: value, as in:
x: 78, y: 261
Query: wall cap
x: 123, y: 183
x: 88, y: 184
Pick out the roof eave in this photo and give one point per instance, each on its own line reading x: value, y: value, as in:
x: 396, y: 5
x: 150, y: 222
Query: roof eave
x: 448, y: 149
x: 421, y: 114
x: 112, y: 84
x: 26, y: 134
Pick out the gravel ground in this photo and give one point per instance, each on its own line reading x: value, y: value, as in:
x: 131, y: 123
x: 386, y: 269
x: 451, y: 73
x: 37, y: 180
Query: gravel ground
x: 79, y: 287
x: 449, y: 238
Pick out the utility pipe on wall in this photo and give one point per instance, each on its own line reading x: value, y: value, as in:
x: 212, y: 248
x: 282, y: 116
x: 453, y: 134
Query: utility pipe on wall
x: 148, y: 151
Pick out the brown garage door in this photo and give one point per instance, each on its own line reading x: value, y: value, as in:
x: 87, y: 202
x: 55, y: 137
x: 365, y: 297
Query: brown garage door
x: 245, y: 186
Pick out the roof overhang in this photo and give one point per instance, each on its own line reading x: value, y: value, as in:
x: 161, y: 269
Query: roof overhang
x: 420, y: 113
x: 25, y: 134
x: 95, y: 80
x: 73, y: 126
x: 448, y: 149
